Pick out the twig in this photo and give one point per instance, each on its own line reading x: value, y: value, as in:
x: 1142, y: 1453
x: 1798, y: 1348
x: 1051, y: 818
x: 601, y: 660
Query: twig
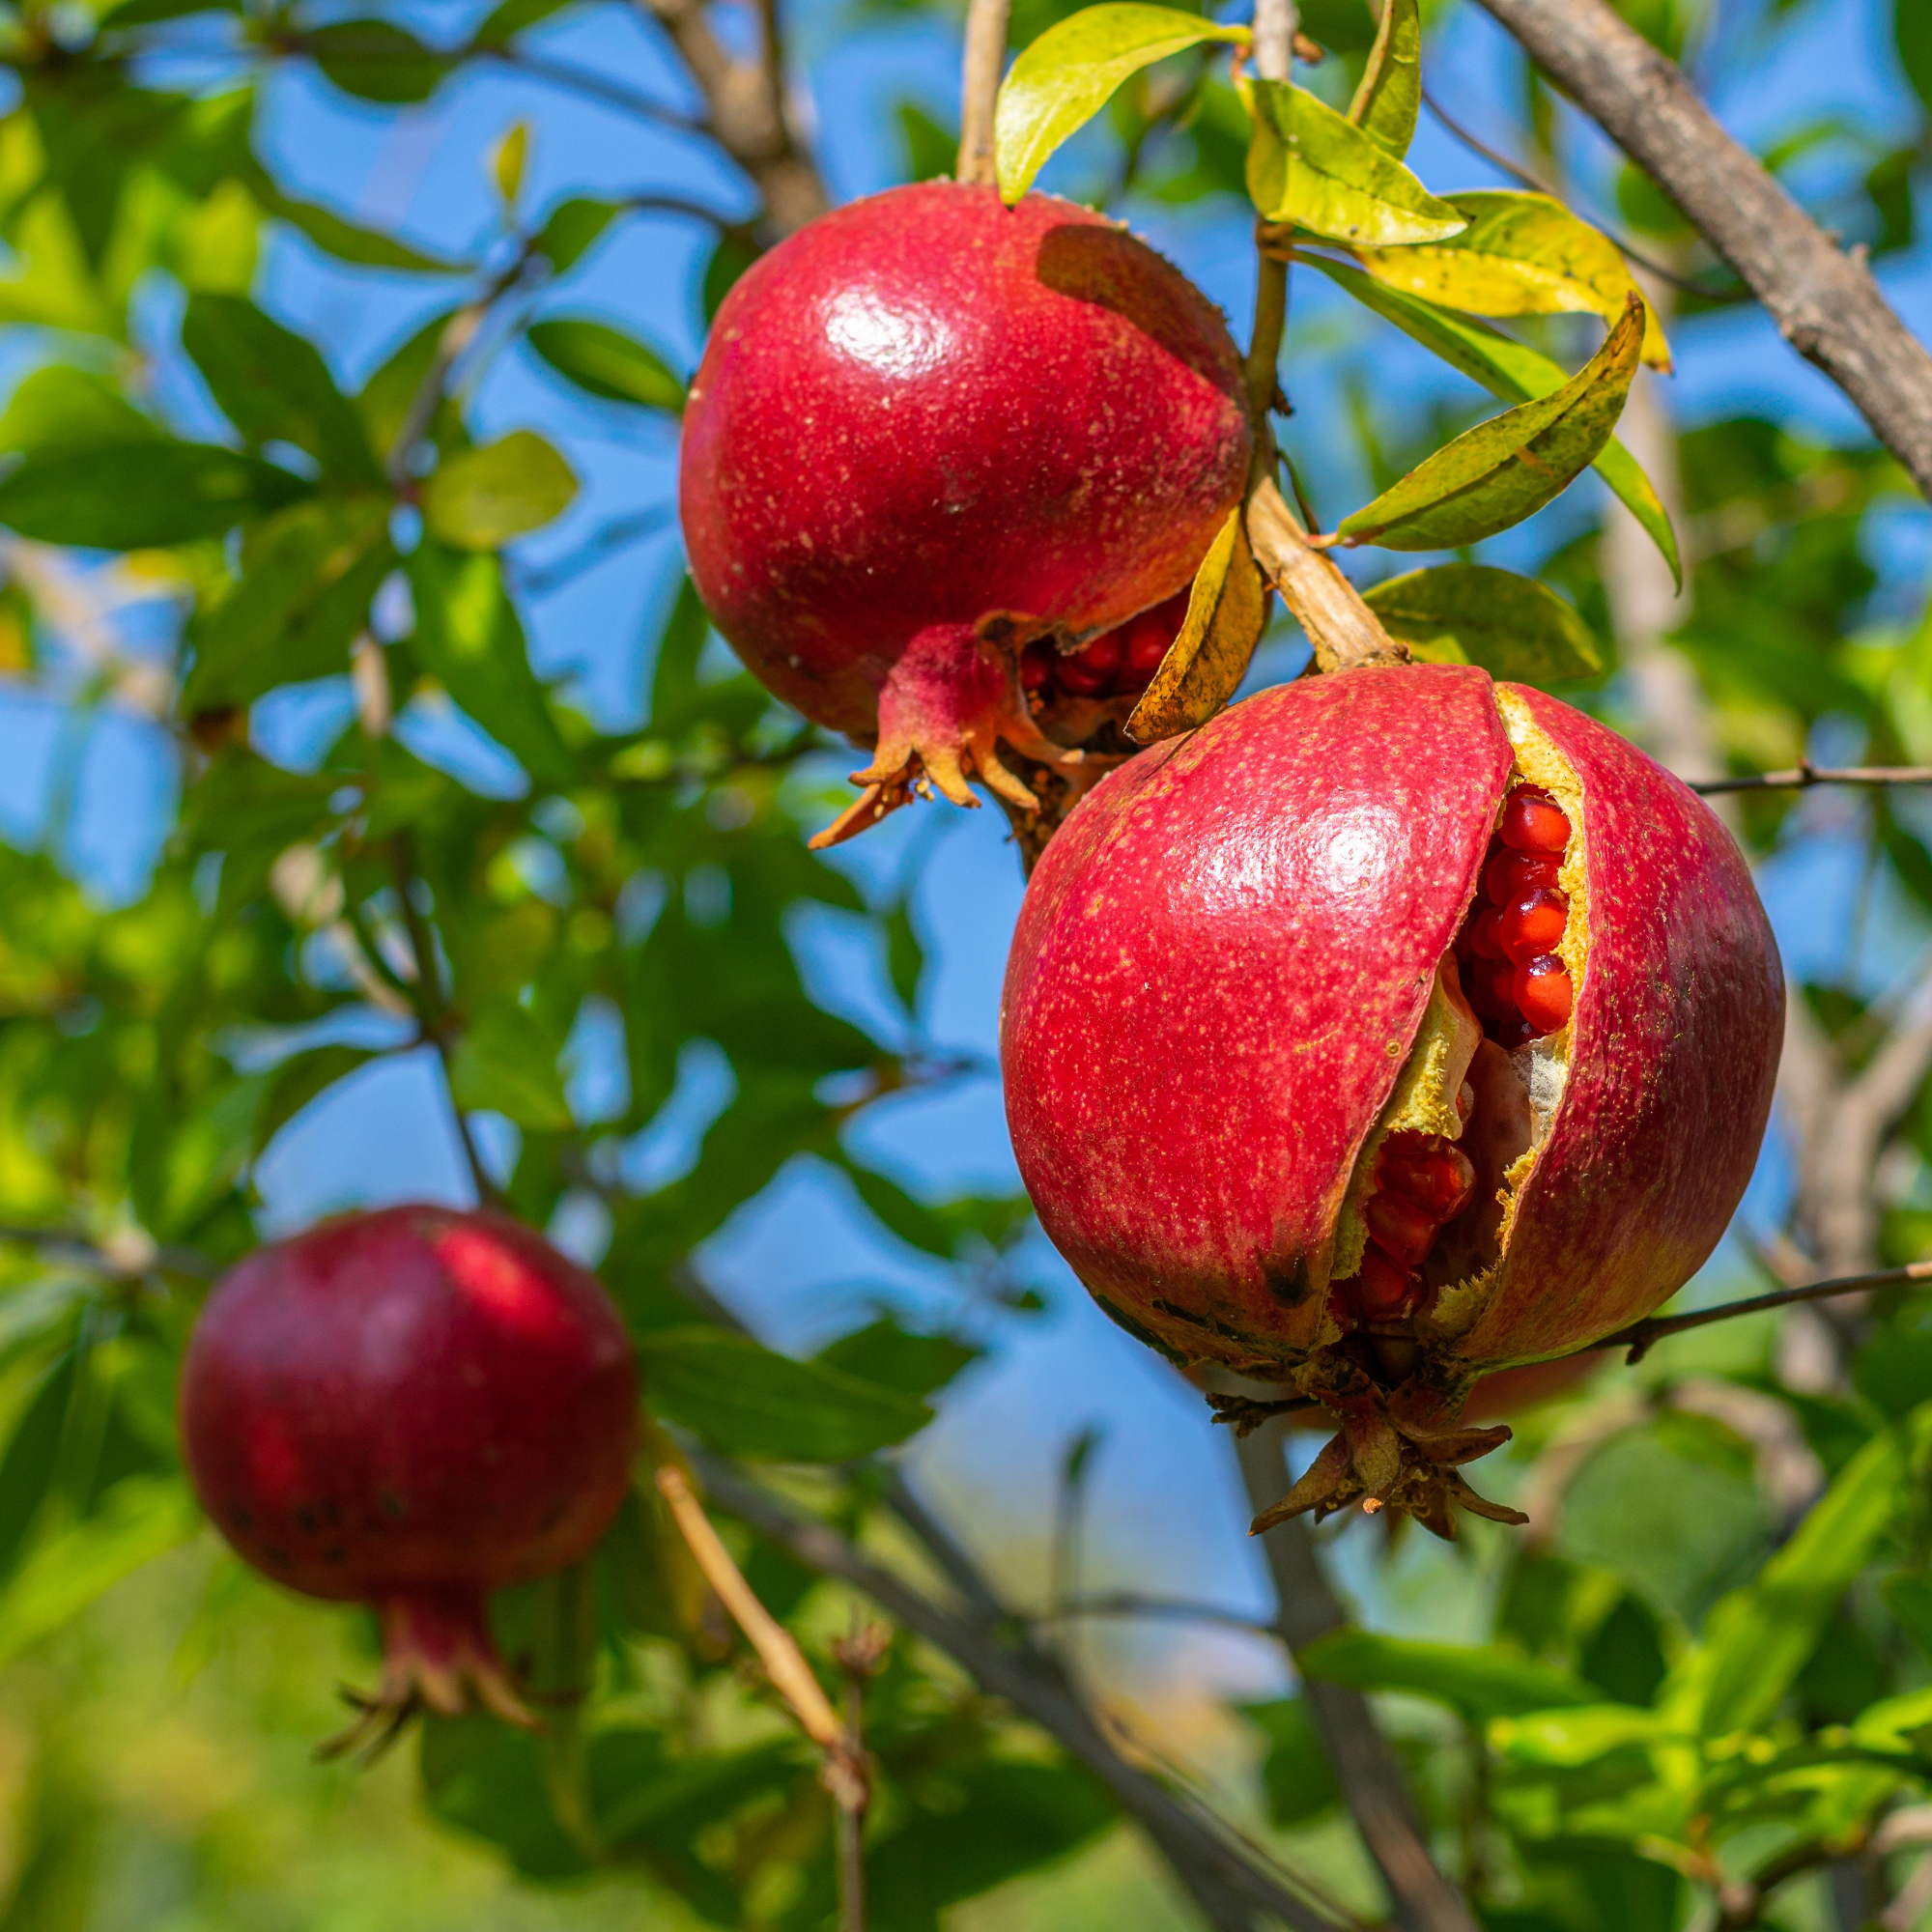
x: 846, y: 1774
x: 1364, y: 1766
x: 1223, y: 1884
x: 979, y: 88
x: 1125, y: 1604
x: 1803, y: 775
x: 859, y: 1657
x: 1640, y: 1337
x: 1825, y: 301
x: 1342, y: 628
x: 132, y: 1257
x: 1531, y: 180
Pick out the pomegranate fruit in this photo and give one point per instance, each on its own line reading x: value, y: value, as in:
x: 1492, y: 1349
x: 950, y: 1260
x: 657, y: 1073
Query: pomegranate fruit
x: 412, y: 1409
x: 929, y: 430
x: 1318, y: 1070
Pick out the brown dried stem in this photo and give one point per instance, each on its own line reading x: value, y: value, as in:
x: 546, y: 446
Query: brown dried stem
x: 847, y: 1775
x: 1340, y: 626
x: 1825, y: 301
x: 980, y: 89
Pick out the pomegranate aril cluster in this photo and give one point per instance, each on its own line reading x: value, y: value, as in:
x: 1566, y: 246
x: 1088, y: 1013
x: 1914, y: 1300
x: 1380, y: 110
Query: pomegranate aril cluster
x: 1506, y: 954
x: 1114, y: 664
x: 1422, y: 1183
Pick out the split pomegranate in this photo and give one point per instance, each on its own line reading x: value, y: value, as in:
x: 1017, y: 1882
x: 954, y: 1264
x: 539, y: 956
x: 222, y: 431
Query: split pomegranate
x: 412, y: 1409
x: 928, y: 431
x: 1395, y: 1028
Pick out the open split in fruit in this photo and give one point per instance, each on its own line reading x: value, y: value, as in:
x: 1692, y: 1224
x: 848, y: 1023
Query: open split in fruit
x: 1396, y: 1027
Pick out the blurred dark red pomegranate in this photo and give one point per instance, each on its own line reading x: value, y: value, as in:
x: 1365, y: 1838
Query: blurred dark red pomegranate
x: 410, y: 1409
x: 1394, y: 1028
x: 929, y: 430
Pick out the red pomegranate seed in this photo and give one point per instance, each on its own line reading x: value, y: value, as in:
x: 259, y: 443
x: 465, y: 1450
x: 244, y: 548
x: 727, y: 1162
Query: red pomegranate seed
x: 1485, y: 937
x: 1036, y: 666
x: 1532, y: 924
x: 1089, y: 672
x: 1510, y: 874
x: 1400, y: 1227
x: 1384, y: 1291
x: 1533, y: 823
x: 1434, y: 1174
x: 1543, y: 992
x: 1513, y: 1031
x: 1148, y: 640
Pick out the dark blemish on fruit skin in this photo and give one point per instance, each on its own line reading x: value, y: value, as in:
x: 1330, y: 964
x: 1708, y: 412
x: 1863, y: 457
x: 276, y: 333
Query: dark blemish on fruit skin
x: 1290, y: 1285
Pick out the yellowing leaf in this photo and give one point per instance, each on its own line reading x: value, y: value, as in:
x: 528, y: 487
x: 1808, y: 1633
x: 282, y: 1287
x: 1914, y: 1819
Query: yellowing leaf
x: 1467, y: 613
x: 1507, y: 468
x: 1309, y: 166
x: 1226, y: 611
x: 1389, y: 99
x: 1521, y: 254
x: 1064, y: 78
x: 1513, y: 372
x: 508, y: 159
x: 481, y: 499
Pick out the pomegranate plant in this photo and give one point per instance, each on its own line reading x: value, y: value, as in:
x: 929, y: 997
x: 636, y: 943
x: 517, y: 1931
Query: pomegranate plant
x: 1397, y: 1027
x: 412, y: 1409
x: 930, y: 434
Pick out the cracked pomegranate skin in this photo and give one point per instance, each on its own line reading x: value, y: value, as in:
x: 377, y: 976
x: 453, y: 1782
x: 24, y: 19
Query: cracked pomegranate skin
x: 926, y: 409
x: 1224, y: 960
x: 412, y: 1404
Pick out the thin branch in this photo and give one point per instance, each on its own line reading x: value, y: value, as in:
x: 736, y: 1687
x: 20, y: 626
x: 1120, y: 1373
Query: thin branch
x: 594, y: 87
x: 1805, y: 775
x: 1640, y: 1337
x: 1364, y: 1766
x: 131, y: 1256
x: 1125, y: 1604
x: 1825, y: 301
x: 846, y: 1774
x: 1529, y: 179
x: 980, y: 89
x: 1341, y: 628
x: 1223, y: 1884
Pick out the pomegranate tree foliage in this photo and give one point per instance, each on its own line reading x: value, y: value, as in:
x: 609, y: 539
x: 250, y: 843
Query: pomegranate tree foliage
x: 1717, y: 1666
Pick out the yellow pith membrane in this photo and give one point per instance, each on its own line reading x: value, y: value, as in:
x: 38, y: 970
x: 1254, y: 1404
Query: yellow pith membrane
x: 1390, y: 1371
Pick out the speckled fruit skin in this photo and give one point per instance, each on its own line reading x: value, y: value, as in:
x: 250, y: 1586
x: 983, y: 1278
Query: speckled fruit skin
x: 927, y: 411
x: 1226, y: 955
x: 412, y: 1409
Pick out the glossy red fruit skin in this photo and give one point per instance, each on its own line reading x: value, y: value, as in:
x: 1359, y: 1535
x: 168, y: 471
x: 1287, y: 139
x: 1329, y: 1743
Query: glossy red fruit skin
x: 414, y: 1405
x: 1224, y: 959
x: 925, y: 409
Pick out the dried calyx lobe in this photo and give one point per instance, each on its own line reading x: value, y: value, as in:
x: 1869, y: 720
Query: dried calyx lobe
x: 1395, y: 1026
x: 942, y: 464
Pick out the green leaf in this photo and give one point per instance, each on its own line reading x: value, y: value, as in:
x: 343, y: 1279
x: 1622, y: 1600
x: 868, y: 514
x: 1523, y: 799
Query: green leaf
x: 606, y: 362
x: 1912, y: 34
x: 1565, y: 1740
x: 750, y: 1401
x: 270, y: 383
x: 895, y: 1357
x: 1227, y: 610
x: 1509, y: 468
x: 470, y: 639
x: 482, y: 498
x: 506, y: 1062
x: 1513, y: 371
x: 1295, y: 1772
x: 1063, y: 79
x: 1467, y: 613
x: 510, y: 17
x: 385, y: 399
x: 181, y: 1168
x: 306, y: 584
x: 140, y: 495
x: 931, y: 150
x: 373, y: 60
x: 1908, y: 1595
x: 1389, y: 99
x: 60, y: 408
x: 1757, y: 1641
x: 508, y: 160
x: 139, y: 1518
x: 1314, y: 168
x: 1521, y: 254
x: 27, y: 1469
x: 301, y: 1078
x: 346, y: 240
x: 1485, y: 1683
x: 573, y: 228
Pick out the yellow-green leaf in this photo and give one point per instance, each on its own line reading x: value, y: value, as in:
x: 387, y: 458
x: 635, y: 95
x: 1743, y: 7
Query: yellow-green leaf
x: 1064, y: 78
x: 1312, y: 167
x: 1521, y: 254
x: 1226, y: 612
x: 1467, y: 613
x: 482, y: 498
x: 1515, y: 373
x: 1507, y: 468
x: 508, y: 159
x: 1389, y: 99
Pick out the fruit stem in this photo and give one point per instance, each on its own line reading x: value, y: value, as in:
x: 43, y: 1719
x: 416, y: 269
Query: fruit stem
x: 980, y: 90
